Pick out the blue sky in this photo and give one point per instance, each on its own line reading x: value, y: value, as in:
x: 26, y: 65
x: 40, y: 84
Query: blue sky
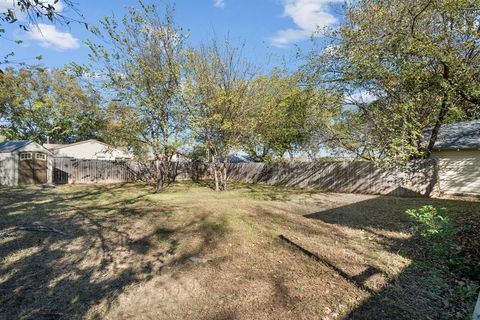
x: 271, y: 29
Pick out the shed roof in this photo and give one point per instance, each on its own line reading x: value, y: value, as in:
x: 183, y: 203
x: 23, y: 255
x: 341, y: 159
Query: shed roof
x: 10, y: 146
x: 457, y: 136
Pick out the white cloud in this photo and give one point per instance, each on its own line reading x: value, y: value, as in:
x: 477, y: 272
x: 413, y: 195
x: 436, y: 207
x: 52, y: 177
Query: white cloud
x: 308, y: 15
x: 361, y: 97
x: 7, y: 4
x: 50, y: 37
x: 219, y: 3
x: 12, y: 4
x: 330, y: 49
x: 22, y: 15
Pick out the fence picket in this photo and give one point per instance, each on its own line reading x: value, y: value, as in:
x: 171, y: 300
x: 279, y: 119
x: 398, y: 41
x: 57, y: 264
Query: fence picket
x: 356, y: 177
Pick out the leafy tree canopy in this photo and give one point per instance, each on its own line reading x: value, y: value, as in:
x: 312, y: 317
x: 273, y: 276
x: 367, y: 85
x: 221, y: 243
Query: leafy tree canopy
x: 288, y: 118
x: 420, y: 59
x: 37, y: 102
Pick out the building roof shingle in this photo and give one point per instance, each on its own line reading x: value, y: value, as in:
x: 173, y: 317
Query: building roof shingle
x: 457, y: 136
x: 9, y: 146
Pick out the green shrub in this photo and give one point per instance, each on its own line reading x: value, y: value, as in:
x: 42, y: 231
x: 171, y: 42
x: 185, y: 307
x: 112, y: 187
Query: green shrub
x: 430, y: 222
x: 433, y: 225
x: 442, y: 242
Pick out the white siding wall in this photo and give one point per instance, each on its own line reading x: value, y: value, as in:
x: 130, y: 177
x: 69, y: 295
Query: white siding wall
x: 458, y: 171
x: 7, y: 167
x: 91, y: 150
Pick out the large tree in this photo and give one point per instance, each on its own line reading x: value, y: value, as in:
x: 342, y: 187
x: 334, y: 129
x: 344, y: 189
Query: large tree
x: 288, y: 118
x: 142, y: 55
x: 218, y: 91
x: 122, y: 128
x: 420, y: 59
x: 37, y: 103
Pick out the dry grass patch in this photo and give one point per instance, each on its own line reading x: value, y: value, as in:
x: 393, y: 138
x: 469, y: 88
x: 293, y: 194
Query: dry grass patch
x: 191, y: 253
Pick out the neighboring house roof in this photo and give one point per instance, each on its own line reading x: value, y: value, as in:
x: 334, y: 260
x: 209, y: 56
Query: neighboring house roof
x: 239, y: 158
x: 457, y: 136
x: 58, y: 148
x: 52, y: 146
x: 10, y: 146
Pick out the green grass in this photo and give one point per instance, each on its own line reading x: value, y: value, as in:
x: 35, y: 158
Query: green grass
x: 127, y: 253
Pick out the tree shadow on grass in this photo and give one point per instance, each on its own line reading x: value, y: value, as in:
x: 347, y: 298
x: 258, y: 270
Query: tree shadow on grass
x: 426, y: 289
x: 47, y: 275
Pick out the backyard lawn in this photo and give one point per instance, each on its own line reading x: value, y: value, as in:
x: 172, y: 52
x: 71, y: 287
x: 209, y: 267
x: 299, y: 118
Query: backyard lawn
x: 122, y: 252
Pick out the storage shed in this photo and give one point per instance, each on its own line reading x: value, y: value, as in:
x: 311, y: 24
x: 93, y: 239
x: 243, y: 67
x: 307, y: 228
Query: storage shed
x: 24, y: 162
x: 457, y: 152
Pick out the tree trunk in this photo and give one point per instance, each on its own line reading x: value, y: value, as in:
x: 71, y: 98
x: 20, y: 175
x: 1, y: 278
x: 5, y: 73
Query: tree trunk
x: 159, y: 176
x: 216, y: 174
x: 441, y: 116
x: 436, y: 129
x: 224, y: 174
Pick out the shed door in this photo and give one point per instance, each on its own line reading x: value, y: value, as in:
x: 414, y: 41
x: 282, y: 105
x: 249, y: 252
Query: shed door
x: 40, y: 172
x: 32, y: 168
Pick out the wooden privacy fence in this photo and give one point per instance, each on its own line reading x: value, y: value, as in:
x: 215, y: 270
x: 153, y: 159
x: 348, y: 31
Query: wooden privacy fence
x: 353, y: 177
x: 71, y: 171
x: 419, y: 178
x: 68, y: 170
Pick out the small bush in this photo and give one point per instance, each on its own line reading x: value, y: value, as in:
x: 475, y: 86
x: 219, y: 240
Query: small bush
x: 444, y: 243
x: 434, y: 226
x: 430, y: 222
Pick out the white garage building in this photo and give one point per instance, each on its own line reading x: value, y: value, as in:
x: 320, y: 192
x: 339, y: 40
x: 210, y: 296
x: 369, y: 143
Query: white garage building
x: 89, y: 149
x: 457, y: 151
